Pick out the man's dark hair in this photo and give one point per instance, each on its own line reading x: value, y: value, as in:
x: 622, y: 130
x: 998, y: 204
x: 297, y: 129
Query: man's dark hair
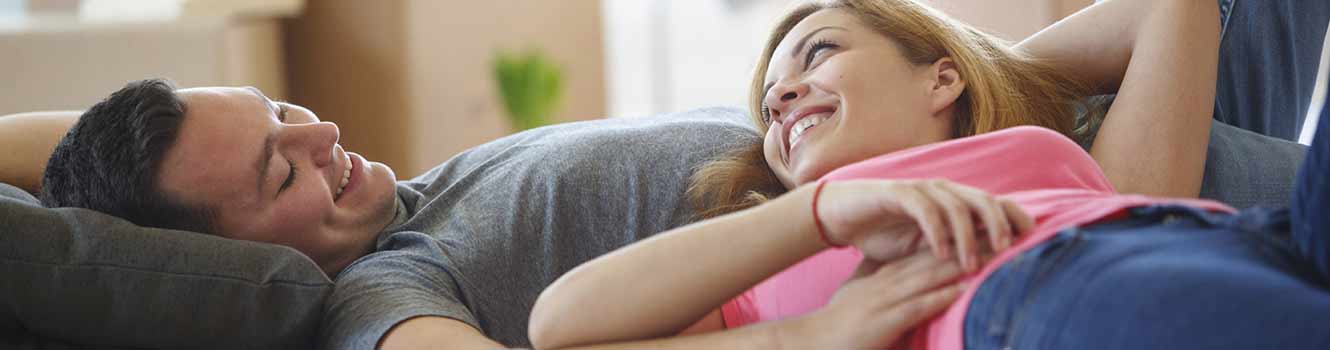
x: 111, y: 159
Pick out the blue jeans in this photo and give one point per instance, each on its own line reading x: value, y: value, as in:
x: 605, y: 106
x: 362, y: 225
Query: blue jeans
x: 1166, y: 278
x: 1268, y: 58
x: 1173, y: 277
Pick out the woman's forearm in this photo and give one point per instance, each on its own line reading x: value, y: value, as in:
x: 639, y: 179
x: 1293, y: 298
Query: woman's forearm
x: 659, y: 286
x: 1160, y: 57
x: 28, y: 140
x: 1093, y: 45
x: 791, y: 333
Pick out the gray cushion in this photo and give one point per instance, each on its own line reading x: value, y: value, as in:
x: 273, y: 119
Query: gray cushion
x: 1242, y: 169
x: 78, y: 277
x: 1246, y: 169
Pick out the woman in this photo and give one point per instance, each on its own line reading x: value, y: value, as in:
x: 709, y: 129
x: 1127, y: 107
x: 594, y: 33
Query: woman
x: 875, y: 89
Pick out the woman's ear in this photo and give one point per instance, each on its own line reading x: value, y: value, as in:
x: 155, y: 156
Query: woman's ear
x: 947, y: 84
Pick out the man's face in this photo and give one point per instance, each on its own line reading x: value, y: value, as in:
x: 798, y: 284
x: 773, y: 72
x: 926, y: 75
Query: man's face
x: 273, y: 173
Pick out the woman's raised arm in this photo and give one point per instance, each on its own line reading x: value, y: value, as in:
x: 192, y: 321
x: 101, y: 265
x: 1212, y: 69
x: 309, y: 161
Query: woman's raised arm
x: 1161, y: 58
x: 28, y: 140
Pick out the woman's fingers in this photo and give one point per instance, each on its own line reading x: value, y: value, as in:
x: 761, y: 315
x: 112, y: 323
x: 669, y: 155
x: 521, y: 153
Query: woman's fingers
x: 912, y: 290
x: 910, y: 313
x: 960, y: 221
x: 914, y: 275
x: 885, y: 303
x: 949, y: 216
x: 992, y: 212
x: 926, y: 213
x: 866, y: 267
x: 1019, y: 218
x: 958, y: 207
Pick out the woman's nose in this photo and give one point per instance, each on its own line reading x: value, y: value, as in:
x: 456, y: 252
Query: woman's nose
x: 782, y: 95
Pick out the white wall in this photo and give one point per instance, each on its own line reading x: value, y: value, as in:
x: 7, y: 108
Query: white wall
x: 673, y: 55
x: 11, y: 12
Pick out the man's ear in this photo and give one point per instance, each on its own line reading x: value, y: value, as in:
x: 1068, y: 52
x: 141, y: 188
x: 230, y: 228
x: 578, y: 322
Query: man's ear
x: 947, y: 84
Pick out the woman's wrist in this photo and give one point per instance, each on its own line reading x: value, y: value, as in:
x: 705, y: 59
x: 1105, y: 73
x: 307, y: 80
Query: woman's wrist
x: 817, y: 218
x: 794, y: 210
x: 803, y: 332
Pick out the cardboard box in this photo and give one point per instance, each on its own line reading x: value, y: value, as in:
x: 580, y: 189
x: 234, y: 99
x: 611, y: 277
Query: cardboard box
x: 71, y: 54
x: 409, y: 82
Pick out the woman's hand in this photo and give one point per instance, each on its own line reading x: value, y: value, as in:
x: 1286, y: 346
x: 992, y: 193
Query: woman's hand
x: 877, y: 307
x: 885, y: 219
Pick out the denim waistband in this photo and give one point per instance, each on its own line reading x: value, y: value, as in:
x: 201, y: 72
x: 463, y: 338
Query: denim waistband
x: 1255, y: 220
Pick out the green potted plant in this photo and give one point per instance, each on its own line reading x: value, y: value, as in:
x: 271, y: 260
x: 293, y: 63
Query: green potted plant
x: 530, y: 85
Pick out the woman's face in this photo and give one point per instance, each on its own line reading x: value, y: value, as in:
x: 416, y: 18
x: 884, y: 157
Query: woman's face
x: 837, y: 92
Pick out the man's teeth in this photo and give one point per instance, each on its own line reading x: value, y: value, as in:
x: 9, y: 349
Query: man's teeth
x: 804, y: 124
x: 346, y: 175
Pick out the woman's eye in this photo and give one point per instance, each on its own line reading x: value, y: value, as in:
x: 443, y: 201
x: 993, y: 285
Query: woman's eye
x: 766, y: 114
x: 816, y: 48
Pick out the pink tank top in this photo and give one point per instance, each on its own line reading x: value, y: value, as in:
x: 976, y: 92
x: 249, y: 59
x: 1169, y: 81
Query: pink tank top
x: 1048, y: 175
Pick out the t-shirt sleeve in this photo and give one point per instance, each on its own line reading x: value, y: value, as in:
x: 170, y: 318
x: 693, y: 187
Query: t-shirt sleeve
x: 11, y: 192
x: 387, y: 287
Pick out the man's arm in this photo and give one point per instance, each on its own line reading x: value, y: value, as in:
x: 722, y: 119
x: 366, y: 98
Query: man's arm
x: 1161, y: 58
x: 28, y: 140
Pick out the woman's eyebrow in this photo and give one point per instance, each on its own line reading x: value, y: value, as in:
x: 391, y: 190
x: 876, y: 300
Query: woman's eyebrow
x: 799, y: 46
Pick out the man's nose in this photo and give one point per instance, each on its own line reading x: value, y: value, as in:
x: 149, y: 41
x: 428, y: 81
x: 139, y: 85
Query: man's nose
x: 318, y: 138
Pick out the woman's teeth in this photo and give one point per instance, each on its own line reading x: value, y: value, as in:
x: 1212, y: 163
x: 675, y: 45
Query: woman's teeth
x: 346, y: 175
x: 804, y: 124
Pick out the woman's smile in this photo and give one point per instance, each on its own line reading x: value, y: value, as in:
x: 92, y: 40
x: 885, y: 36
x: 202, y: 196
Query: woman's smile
x: 800, y: 130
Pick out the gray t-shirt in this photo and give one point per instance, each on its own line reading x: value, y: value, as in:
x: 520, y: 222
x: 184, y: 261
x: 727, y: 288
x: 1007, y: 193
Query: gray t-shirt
x: 480, y: 236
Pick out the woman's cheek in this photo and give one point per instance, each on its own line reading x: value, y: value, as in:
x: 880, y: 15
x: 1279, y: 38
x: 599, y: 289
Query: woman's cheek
x: 771, y: 149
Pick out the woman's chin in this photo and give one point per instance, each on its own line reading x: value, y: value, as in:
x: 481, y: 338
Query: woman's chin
x: 807, y: 175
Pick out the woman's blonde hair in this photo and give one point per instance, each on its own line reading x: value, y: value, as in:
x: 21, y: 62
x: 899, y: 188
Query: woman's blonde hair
x: 1004, y: 88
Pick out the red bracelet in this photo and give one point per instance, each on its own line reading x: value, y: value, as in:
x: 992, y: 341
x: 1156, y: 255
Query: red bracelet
x: 821, y: 231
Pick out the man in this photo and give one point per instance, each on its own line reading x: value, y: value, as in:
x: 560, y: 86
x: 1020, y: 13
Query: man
x: 227, y: 161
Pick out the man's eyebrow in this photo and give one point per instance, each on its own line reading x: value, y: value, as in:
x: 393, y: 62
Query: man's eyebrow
x: 265, y: 158
x: 267, y: 102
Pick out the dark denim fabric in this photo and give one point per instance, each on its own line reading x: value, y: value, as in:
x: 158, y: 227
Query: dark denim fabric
x: 1311, y: 199
x: 1168, y: 277
x: 1268, y: 59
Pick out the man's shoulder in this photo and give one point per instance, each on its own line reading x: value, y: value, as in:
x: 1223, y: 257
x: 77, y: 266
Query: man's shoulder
x: 679, y: 140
